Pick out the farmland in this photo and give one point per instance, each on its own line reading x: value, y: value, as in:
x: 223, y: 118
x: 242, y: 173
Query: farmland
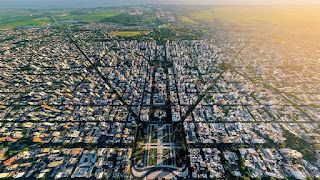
x: 298, y: 17
x: 203, y: 15
x: 89, y: 16
x: 188, y: 20
x: 38, y: 18
x: 12, y: 18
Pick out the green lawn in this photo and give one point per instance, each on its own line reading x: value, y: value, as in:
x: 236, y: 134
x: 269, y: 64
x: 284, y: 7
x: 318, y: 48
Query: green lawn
x: 152, y: 159
x: 166, y: 135
x: 167, y: 161
x: 154, y: 136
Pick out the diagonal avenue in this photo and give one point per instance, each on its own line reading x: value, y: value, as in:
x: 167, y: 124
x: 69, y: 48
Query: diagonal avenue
x: 203, y: 93
x: 93, y: 66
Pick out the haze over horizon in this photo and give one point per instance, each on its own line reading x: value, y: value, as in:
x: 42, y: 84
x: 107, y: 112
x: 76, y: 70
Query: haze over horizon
x: 109, y: 3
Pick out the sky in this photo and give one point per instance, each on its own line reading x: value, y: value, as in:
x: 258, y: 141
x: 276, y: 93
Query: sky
x: 108, y: 3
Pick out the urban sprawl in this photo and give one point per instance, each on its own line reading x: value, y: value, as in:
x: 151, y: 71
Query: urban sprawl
x: 80, y: 102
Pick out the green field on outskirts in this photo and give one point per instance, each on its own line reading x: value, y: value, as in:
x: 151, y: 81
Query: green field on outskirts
x: 188, y: 20
x: 95, y: 16
x: 18, y: 18
x: 203, y: 15
x: 305, y: 18
x: 128, y: 33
